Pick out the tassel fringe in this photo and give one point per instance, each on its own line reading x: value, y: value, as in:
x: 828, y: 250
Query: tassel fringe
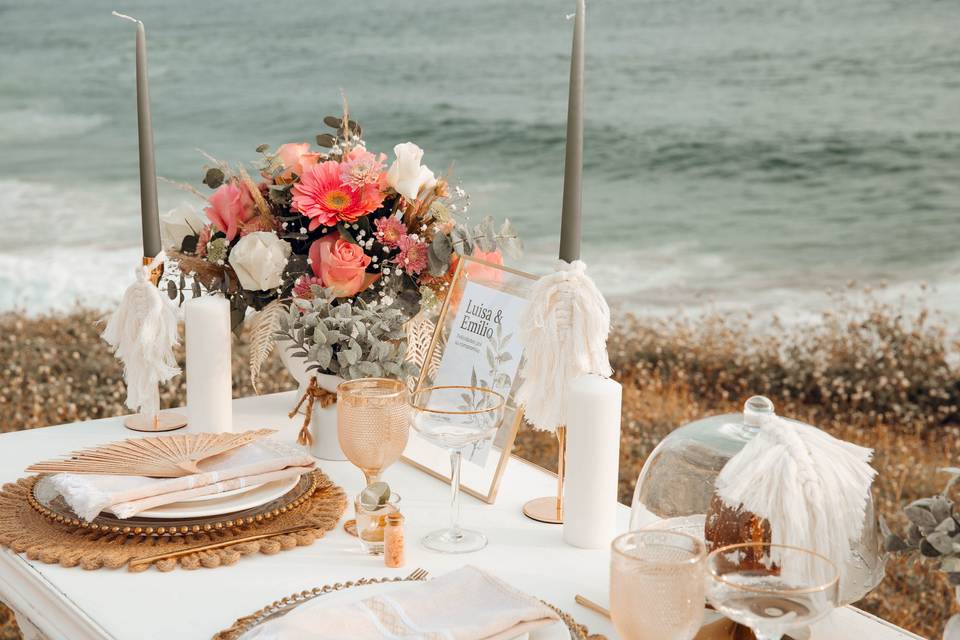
x: 564, y: 332
x: 811, y: 487
x: 143, y: 331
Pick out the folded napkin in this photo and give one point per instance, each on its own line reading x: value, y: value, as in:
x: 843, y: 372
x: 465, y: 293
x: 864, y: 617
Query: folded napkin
x: 89, y: 494
x: 466, y: 604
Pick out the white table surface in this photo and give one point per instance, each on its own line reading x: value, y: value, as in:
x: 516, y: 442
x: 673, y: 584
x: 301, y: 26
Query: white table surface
x: 75, y: 604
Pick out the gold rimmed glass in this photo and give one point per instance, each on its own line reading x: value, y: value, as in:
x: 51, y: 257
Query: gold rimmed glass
x: 771, y: 588
x: 373, y: 423
x: 456, y: 417
x: 657, y: 585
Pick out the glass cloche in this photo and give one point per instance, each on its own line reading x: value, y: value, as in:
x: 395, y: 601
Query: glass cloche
x: 675, y: 490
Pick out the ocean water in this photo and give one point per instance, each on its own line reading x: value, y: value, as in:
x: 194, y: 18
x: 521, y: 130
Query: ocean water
x: 740, y: 154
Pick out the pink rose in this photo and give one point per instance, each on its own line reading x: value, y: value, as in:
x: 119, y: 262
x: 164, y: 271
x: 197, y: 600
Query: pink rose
x: 341, y: 265
x: 230, y: 206
x: 295, y: 157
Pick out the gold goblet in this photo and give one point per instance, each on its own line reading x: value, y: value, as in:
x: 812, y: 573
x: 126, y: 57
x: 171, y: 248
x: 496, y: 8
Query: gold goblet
x: 373, y: 423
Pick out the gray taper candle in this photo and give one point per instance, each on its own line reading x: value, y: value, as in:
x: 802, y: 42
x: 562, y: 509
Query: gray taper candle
x: 573, y: 165
x: 149, y: 210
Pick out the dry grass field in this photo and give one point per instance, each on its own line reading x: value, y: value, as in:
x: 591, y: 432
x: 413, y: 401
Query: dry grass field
x: 868, y: 373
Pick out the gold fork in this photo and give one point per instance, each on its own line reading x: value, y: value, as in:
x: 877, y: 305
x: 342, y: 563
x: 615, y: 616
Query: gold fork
x: 418, y: 575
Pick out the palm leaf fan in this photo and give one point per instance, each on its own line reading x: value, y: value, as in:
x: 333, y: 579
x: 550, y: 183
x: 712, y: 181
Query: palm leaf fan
x: 159, y: 457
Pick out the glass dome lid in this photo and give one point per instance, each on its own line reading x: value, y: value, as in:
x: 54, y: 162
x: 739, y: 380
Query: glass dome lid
x: 677, y: 480
x: 676, y: 490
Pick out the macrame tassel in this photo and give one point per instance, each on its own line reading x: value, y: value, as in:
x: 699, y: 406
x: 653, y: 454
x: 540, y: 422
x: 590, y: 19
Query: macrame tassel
x: 564, y: 333
x: 811, y: 487
x: 143, y: 332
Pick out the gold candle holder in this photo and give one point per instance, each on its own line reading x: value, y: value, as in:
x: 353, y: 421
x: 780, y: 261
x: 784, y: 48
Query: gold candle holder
x: 160, y: 421
x: 549, y: 509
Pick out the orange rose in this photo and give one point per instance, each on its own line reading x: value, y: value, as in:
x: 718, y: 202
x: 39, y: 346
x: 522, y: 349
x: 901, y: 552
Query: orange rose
x: 340, y: 265
x: 295, y: 158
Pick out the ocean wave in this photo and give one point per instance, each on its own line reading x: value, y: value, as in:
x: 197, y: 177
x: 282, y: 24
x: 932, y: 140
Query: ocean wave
x: 39, y: 214
x: 59, y: 278
x: 35, y: 124
x: 771, y: 154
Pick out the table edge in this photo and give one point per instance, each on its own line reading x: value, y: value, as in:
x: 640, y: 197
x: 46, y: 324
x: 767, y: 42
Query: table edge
x: 30, y: 594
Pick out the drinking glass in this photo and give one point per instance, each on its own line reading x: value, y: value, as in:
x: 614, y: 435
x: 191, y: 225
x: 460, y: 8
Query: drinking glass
x: 454, y: 417
x: 657, y: 585
x: 373, y: 423
x: 771, y: 588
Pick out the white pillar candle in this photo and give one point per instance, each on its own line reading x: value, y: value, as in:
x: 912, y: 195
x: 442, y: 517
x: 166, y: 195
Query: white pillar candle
x: 593, y: 460
x: 209, y: 375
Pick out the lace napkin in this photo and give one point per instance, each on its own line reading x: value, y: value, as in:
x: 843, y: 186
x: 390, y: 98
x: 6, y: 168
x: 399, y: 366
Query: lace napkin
x: 466, y: 604
x: 254, y: 463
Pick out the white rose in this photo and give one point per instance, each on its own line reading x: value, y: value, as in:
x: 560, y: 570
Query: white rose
x: 259, y: 259
x: 406, y: 175
x: 177, y: 224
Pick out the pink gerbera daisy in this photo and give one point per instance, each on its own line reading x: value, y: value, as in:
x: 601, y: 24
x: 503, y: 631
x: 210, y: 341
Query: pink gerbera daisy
x: 321, y: 196
x: 203, y: 239
x: 389, y: 231
x: 360, y: 168
x: 413, y: 255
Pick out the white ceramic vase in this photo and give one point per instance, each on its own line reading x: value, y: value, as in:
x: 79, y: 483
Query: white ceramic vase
x: 323, y: 422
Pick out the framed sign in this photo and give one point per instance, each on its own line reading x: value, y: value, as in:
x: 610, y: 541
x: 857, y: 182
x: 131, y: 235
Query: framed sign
x: 476, y: 342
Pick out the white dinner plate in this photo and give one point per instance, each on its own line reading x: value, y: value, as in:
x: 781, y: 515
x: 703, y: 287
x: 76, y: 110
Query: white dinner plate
x: 260, y: 495
x: 224, y: 494
x: 556, y: 631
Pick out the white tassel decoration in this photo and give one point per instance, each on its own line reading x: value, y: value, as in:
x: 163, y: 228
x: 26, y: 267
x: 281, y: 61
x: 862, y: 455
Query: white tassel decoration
x: 143, y: 331
x: 564, y: 333
x: 811, y: 487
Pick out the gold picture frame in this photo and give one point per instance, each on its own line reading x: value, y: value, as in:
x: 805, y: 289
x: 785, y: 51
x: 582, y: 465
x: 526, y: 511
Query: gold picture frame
x: 486, y: 286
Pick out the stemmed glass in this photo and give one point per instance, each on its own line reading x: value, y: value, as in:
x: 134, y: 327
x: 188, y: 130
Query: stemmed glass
x: 373, y: 423
x: 454, y: 417
x: 771, y: 588
x: 657, y: 585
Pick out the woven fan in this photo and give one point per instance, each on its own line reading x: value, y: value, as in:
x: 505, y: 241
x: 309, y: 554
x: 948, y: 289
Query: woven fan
x: 158, y: 457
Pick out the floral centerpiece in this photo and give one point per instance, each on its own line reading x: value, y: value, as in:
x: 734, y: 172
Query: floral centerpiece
x: 338, y: 249
x: 338, y: 222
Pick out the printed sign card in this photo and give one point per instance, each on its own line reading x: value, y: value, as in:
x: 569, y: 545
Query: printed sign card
x: 478, y: 340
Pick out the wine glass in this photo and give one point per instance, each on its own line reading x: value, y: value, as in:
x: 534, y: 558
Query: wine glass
x: 454, y: 417
x: 657, y: 585
x: 771, y: 588
x: 373, y: 423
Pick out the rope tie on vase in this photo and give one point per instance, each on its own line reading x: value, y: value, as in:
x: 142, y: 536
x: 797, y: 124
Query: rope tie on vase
x: 314, y: 393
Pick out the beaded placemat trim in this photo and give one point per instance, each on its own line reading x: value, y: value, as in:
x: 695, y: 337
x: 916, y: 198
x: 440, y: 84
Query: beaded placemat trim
x: 25, y: 530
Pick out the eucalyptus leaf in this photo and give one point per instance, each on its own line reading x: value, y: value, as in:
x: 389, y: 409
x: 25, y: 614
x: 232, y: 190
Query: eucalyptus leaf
x: 324, y: 355
x: 214, y: 177
x: 920, y: 514
x: 941, y: 541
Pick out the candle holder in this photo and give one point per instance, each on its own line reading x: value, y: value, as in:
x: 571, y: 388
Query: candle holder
x: 159, y: 421
x: 549, y: 509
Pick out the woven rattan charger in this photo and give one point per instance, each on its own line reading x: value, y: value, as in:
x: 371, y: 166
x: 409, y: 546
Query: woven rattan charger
x: 27, y: 526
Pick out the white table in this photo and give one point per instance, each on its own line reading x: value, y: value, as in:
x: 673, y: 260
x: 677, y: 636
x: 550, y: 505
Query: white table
x: 56, y: 602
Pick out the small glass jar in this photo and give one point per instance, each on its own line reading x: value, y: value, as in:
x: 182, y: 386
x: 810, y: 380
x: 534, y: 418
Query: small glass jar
x: 371, y: 523
x: 394, y: 553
